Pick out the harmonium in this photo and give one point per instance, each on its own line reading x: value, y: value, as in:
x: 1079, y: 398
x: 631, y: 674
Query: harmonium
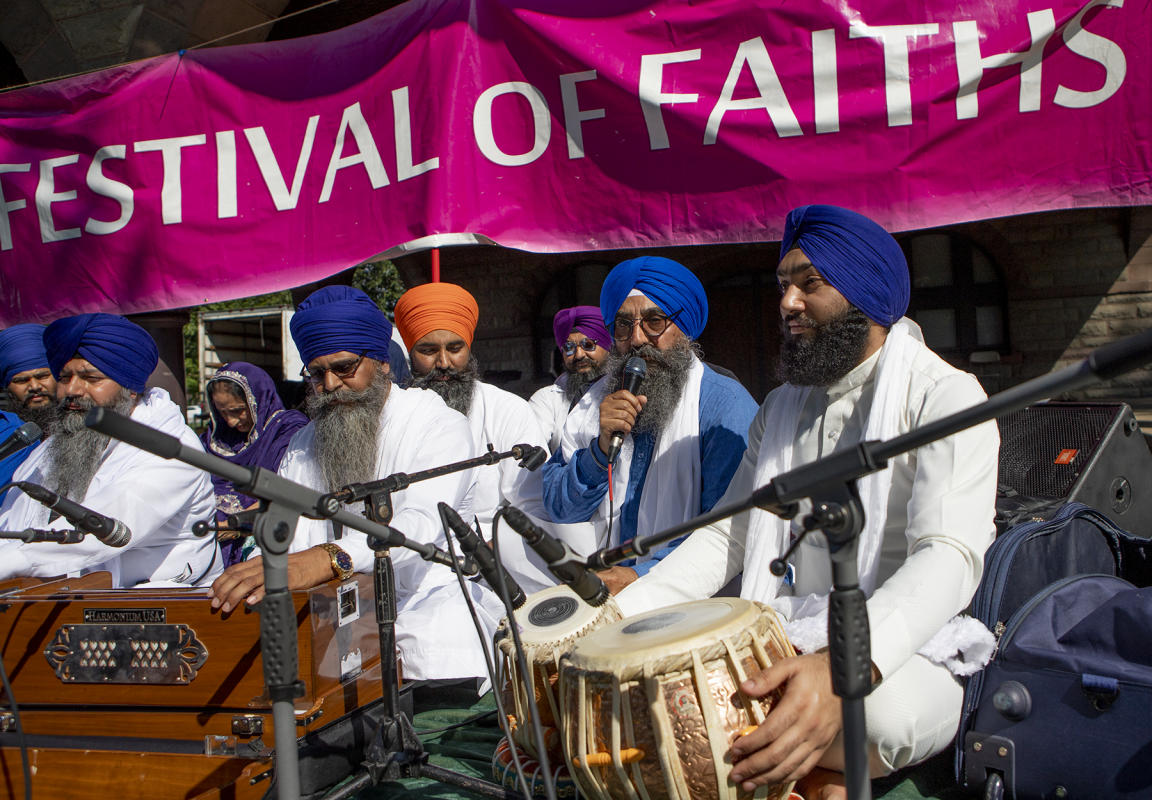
x: 150, y: 694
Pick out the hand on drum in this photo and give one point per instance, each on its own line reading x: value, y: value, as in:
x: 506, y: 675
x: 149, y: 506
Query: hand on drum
x: 798, y: 729
x: 618, y: 412
x: 616, y: 578
x: 244, y: 582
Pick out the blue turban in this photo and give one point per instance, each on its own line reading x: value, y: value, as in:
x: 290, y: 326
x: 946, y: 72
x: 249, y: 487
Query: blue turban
x: 21, y: 349
x: 668, y: 284
x: 120, y: 349
x: 339, y: 318
x: 859, y: 258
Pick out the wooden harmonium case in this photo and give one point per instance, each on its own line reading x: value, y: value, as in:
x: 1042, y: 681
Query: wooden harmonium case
x: 85, y: 660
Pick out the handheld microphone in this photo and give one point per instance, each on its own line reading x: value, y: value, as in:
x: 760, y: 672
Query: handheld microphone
x: 474, y: 547
x: 635, y: 370
x: 111, y: 532
x: 26, y: 434
x: 562, y: 562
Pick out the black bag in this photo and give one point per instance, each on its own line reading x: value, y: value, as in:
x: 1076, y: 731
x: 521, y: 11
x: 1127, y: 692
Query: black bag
x: 1064, y: 710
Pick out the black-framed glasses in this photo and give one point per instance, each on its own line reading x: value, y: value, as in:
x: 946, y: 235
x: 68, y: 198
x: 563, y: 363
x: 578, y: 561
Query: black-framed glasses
x: 587, y: 345
x: 652, y: 324
x: 342, y: 370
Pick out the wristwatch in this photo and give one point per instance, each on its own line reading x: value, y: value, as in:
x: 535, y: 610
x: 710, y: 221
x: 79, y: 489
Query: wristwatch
x: 341, y: 561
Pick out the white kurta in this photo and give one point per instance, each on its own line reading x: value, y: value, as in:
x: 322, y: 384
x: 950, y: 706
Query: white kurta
x: 157, y: 499
x: 551, y: 406
x: 434, y: 632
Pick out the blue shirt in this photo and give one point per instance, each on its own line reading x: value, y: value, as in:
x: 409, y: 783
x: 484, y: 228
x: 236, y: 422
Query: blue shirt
x: 573, y: 491
x: 8, y: 425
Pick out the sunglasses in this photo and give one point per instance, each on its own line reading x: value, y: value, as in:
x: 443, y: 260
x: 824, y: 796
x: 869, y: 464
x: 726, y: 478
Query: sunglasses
x: 343, y: 370
x: 587, y: 345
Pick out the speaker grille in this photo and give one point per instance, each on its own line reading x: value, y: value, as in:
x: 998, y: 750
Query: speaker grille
x: 1043, y: 449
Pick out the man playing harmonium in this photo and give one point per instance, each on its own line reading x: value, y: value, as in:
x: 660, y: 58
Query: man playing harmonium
x: 105, y: 360
x: 854, y: 370
x: 363, y: 427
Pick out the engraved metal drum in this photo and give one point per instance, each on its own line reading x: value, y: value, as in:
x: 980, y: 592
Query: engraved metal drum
x: 550, y: 622
x: 650, y: 704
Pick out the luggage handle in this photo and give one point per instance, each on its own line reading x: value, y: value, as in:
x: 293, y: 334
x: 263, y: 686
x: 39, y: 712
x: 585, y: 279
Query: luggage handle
x: 1101, y: 690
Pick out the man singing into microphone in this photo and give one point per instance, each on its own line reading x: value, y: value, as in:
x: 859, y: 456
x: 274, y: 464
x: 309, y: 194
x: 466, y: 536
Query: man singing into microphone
x: 105, y: 360
x: 683, y: 431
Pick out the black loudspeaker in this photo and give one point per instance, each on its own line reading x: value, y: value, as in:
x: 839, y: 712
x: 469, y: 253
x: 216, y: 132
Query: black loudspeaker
x: 1092, y: 453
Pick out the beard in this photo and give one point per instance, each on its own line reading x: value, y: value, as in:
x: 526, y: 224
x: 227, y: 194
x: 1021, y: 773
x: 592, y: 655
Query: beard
x: 834, y: 349
x: 74, y: 451
x: 579, y: 381
x: 664, y: 383
x: 44, y: 415
x: 455, y: 387
x: 347, y: 423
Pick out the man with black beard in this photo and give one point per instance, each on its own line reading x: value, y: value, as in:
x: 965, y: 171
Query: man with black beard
x: 583, y: 342
x: 25, y: 376
x: 438, y: 324
x: 683, y: 433
x: 855, y: 370
x: 103, y: 360
x: 364, y: 428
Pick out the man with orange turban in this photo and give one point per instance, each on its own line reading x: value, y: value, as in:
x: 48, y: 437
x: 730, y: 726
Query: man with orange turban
x: 438, y: 323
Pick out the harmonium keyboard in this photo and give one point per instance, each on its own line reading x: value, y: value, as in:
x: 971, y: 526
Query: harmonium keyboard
x: 150, y: 694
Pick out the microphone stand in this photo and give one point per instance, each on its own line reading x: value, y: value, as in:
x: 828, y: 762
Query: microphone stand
x: 283, y: 503
x: 45, y: 535
x: 830, y: 483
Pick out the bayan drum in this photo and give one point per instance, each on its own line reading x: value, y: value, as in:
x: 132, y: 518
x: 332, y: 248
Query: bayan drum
x: 550, y: 622
x: 651, y: 704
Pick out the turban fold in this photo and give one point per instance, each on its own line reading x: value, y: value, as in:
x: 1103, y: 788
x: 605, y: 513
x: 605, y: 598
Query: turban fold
x: 21, y: 349
x: 120, y: 349
x: 667, y: 283
x: 859, y: 258
x: 338, y: 318
x: 436, y: 307
x: 585, y: 319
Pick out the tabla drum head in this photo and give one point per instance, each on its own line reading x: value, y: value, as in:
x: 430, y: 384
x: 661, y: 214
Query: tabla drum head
x: 554, y: 614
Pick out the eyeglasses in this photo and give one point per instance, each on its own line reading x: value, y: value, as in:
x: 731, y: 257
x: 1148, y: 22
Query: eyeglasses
x: 587, y: 345
x: 653, y: 325
x: 342, y: 370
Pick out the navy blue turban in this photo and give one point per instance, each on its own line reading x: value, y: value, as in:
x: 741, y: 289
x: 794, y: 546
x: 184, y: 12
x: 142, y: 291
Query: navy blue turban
x: 854, y: 254
x: 338, y: 318
x: 21, y: 349
x: 665, y: 282
x: 120, y: 349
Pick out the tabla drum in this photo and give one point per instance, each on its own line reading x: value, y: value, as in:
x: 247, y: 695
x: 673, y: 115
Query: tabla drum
x: 550, y: 622
x: 650, y: 704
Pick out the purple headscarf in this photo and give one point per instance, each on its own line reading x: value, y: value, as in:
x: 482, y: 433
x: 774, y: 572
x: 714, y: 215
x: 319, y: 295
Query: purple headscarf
x: 585, y: 319
x: 263, y: 446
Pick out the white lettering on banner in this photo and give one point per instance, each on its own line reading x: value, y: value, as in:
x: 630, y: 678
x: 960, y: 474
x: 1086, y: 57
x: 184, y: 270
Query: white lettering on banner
x: 573, y: 116
x: 353, y: 120
x: 104, y: 186
x: 897, y: 74
x: 771, y: 98
x: 652, y: 94
x: 482, y: 124
x: 1094, y: 48
x: 46, y: 195
x: 825, y: 92
x: 225, y: 174
x: 171, y: 191
x: 401, y: 113
x: 283, y: 197
x: 970, y: 64
x: 7, y: 206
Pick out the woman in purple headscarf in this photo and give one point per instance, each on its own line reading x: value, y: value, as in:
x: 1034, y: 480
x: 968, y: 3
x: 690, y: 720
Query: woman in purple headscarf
x: 248, y: 425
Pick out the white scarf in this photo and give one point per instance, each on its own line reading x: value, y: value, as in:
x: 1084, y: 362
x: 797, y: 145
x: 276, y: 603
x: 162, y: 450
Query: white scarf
x: 671, y: 492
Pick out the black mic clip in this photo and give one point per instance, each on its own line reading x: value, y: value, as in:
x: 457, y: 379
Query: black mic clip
x: 529, y: 456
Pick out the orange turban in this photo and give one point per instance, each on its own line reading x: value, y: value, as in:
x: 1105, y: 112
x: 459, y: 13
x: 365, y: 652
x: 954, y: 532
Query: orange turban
x: 435, y: 307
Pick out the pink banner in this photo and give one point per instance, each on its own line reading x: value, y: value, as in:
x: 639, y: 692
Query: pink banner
x: 555, y: 126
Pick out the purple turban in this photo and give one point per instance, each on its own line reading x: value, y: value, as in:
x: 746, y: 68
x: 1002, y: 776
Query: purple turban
x: 859, y: 258
x: 586, y: 320
x: 120, y: 349
x: 338, y: 318
x: 21, y: 349
x: 667, y: 283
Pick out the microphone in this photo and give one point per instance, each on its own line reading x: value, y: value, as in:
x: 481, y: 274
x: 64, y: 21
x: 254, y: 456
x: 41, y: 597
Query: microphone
x: 474, y: 547
x: 26, y: 434
x: 111, y: 532
x: 562, y: 562
x: 531, y: 456
x: 635, y: 370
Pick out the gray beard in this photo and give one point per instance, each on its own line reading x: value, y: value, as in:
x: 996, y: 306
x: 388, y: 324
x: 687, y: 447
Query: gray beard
x: 825, y: 358
x: 74, y: 451
x: 578, y: 382
x: 457, y: 390
x: 345, y: 443
x: 663, y: 385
